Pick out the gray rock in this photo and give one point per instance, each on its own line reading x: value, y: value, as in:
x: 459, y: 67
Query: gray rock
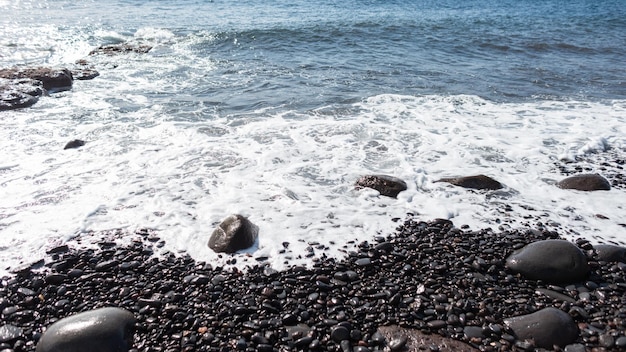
x: 387, y: 185
x: 547, y: 327
x: 551, y: 261
x: 610, y: 253
x: 585, y: 182
x: 234, y: 233
x: 9, y: 332
x: 56, y: 79
x: 100, y: 330
x: 19, y: 93
x: 475, y: 182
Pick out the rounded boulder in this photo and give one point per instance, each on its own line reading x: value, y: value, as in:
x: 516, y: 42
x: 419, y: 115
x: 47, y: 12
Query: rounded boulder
x: 551, y: 261
x: 387, y: 185
x: 481, y: 182
x: 610, y: 253
x: 234, y: 233
x: 99, y: 330
x: 547, y: 327
x: 585, y: 182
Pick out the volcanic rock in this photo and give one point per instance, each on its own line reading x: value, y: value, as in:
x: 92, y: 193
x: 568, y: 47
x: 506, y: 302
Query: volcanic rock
x: 550, y: 261
x: 416, y: 340
x: 610, y: 253
x: 56, y: 79
x: 475, y: 182
x: 234, y: 233
x: 100, y: 330
x: 73, y: 144
x: 121, y: 48
x: 585, y: 182
x: 387, y: 185
x: 19, y: 93
x: 547, y: 327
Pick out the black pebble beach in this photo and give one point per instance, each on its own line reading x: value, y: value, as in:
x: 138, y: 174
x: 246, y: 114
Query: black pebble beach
x: 429, y: 276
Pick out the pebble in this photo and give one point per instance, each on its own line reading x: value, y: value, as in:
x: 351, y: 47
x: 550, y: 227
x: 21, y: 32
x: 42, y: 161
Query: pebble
x: 429, y: 275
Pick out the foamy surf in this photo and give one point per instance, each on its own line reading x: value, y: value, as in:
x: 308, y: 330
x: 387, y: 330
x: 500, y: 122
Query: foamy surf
x: 293, y: 173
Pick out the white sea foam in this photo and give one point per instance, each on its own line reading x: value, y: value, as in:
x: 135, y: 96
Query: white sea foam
x: 292, y: 173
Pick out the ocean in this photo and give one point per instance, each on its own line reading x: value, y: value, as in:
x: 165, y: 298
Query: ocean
x: 273, y: 109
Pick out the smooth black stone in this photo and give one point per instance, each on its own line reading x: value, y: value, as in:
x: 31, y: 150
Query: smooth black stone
x: 339, y: 333
x: 9, y: 333
x: 547, y: 327
x: 397, y: 344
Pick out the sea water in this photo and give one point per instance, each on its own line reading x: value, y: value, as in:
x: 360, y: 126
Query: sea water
x: 273, y: 109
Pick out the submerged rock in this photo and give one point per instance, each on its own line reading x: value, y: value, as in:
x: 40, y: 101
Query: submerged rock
x: 585, y: 182
x: 387, y: 185
x: 550, y: 261
x: 234, y: 233
x: 100, y: 330
x: 547, y: 328
x: 474, y: 182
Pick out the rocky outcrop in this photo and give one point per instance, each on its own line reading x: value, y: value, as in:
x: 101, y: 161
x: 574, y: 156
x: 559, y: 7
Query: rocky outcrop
x: 19, y: 93
x: 481, y: 182
x: 234, y: 233
x: 121, y: 48
x: 100, y: 330
x: 53, y: 79
x: 585, y: 182
x: 555, y: 261
x: 546, y: 328
x: 387, y: 185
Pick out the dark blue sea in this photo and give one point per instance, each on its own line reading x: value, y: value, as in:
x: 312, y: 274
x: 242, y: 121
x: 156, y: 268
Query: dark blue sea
x: 273, y: 108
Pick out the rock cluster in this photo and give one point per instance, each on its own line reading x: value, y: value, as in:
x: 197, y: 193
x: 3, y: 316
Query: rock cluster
x: 427, y: 283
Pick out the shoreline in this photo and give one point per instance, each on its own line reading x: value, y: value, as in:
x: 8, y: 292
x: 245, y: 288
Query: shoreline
x: 430, y: 278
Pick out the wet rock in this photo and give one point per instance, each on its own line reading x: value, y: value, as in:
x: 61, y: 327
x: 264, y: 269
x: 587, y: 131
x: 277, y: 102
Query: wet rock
x: 481, y: 182
x: 234, y: 233
x: 415, y: 340
x: 9, y: 332
x: 547, y: 327
x: 610, y: 253
x: 19, y: 93
x: 99, y: 330
x: 82, y: 71
x: 387, y: 185
x: 585, y: 182
x: 73, y: 144
x: 55, y: 79
x: 121, y: 48
x: 550, y: 261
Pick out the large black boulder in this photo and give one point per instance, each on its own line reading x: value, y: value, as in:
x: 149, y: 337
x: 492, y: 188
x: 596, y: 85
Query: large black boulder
x: 481, y: 182
x: 100, y: 330
x: 387, y: 185
x: 557, y: 261
x: 234, y: 233
x: 585, y: 182
x: 547, y: 327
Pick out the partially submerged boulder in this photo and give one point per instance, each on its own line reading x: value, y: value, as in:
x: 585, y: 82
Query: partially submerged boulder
x: 557, y: 261
x: 19, y: 93
x: 56, y: 79
x: 100, y: 330
x: 387, y: 185
x: 73, y: 144
x: 585, y: 182
x: 547, y: 328
x: 481, y: 182
x: 121, y: 48
x: 234, y: 233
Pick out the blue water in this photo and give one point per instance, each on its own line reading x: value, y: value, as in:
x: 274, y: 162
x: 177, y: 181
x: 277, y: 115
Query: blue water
x: 272, y: 109
x: 306, y: 54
